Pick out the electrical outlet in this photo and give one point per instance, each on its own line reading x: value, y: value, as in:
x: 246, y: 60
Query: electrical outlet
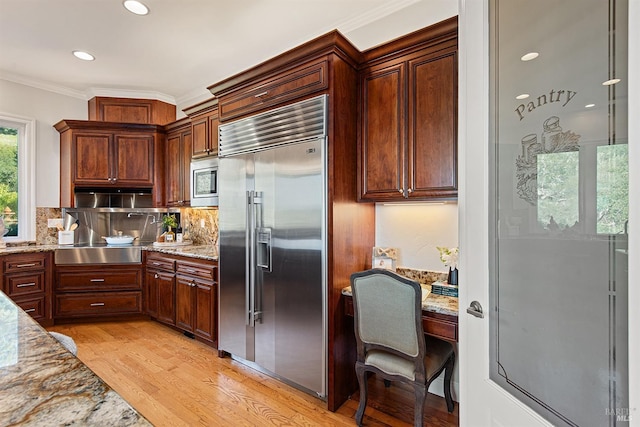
x: 54, y: 222
x: 202, y: 223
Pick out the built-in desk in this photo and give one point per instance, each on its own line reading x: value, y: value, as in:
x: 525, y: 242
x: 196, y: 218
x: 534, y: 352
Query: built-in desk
x: 42, y: 383
x: 439, y: 314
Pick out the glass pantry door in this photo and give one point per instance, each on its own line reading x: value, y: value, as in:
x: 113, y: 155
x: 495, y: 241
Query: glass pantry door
x: 553, y: 344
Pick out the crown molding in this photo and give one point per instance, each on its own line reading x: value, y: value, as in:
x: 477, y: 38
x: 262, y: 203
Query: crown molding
x: 43, y: 85
x: 373, y: 15
x: 129, y: 93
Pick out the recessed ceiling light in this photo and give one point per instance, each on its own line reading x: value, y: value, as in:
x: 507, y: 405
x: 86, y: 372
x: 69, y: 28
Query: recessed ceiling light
x: 85, y: 56
x: 610, y: 82
x: 136, y: 7
x: 589, y: 105
x: 529, y: 56
x: 522, y: 96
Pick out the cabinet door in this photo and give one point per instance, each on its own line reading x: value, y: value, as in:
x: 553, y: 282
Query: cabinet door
x: 200, y: 137
x: 432, y: 132
x: 382, y: 134
x: 134, y: 160
x: 205, y: 307
x: 214, y: 121
x: 184, y: 303
x: 185, y: 160
x: 178, y: 163
x: 151, y: 293
x: 166, y: 284
x: 174, y: 170
x: 93, y: 159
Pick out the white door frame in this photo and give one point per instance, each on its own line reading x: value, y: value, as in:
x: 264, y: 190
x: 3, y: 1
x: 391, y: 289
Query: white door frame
x: 483, y: 402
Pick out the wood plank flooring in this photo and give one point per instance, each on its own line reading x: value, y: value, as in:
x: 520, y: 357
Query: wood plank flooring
x: 176, y: 381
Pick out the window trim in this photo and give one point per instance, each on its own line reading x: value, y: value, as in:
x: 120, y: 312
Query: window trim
x: 26, y: 175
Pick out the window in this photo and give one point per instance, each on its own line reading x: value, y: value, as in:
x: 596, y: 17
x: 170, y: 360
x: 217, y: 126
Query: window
x: 17, y: 177
x: 602, y: 197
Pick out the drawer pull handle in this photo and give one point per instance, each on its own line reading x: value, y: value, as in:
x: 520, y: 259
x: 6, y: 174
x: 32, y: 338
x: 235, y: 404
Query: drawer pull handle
x: 189, y: 270
x: 31, y: 264
x: 156, y: 263
x: 30, y: 310
x: 25, y: 285
x: 97, y: 280
x: 97, y: 304
x: 261, y: 94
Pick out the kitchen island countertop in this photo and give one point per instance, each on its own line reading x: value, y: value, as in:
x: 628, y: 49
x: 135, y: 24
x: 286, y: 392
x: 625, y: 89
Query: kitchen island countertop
x: 41, y: 383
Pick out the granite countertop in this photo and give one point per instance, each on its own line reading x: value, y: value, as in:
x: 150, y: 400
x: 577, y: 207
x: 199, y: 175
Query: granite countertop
x: 41, y: 383
x: 208, y: 252
x: 430, y: 302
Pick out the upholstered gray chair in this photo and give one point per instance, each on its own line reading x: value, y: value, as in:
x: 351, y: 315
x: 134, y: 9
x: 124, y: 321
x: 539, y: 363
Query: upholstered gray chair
x: 391, y: 341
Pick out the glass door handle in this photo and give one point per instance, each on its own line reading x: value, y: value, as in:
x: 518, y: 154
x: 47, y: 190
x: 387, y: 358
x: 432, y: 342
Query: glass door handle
x: 475, y: 309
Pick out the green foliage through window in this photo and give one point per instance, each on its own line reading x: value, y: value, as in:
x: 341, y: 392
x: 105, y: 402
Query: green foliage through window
x: 9, y: 178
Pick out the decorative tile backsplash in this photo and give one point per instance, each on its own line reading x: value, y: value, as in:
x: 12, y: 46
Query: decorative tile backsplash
x: 192, y: 224
x: 422, y: 276
x: 44, y: 234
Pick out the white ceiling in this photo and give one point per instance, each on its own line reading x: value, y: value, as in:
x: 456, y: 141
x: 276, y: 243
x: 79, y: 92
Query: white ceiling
x: 183, y: 46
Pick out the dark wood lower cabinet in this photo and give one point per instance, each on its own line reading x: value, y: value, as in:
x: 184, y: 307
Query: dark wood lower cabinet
x: 196, y: 306
x: 85, y: 292
x: 160, y: 296
x: 182, y: 292
x: 26, y: 279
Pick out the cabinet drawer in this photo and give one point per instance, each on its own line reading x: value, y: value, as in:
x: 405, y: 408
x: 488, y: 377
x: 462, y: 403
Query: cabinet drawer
x: 440, y: 328
x: 25, y: 284
x: 24, y: 262
x: 105, y: 303
x: 160, y: 263
x: 194, y: 269
x: 99, y: 280
x: 295, y: 83
x: 33, y: 306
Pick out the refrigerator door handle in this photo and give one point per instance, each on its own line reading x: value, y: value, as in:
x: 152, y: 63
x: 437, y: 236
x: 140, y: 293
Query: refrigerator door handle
x: 250, y: 260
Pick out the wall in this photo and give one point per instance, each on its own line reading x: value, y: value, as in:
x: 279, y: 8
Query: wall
x: 416, y: 230
x: 47, y: 108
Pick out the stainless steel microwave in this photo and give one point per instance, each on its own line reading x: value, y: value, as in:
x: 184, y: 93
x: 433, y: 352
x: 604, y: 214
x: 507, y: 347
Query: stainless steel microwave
x: 204, y: 182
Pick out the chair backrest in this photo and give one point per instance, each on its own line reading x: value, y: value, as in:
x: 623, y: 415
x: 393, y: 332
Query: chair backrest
x: 388, y: 313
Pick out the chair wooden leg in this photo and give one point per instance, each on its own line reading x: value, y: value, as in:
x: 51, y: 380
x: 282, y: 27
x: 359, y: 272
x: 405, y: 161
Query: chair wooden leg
x: 421, y: 394
x: 362, y: 383
x: 448, y: 373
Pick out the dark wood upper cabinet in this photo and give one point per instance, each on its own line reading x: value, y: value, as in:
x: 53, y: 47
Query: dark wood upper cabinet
x: 131, y: 110
x: 204, y: 128
x: 408, y: 117
x: 178, y: 159
x: 110, y: 155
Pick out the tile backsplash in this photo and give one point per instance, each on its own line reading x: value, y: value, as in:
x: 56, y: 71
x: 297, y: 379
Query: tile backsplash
x: 44, y: 234
x: 199, y: 225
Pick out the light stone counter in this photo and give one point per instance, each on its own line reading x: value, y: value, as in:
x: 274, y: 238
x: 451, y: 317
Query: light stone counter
x: 42, y: 384
x: 209, y: 252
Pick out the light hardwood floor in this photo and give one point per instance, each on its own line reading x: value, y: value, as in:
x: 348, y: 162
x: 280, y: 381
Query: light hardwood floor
x: 176, y: 381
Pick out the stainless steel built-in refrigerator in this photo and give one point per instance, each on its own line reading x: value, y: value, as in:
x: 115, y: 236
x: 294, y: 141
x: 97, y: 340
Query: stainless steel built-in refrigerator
x: 272, y: 235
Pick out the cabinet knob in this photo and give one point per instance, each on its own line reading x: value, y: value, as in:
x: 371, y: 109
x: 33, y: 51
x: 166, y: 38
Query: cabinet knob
x: 400, y: 190
x: 410, y: 190
x: 156, y: 275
